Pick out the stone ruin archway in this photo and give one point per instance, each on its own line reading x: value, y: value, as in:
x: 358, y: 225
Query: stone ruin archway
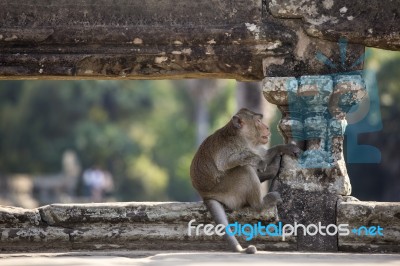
x: 285, y: 43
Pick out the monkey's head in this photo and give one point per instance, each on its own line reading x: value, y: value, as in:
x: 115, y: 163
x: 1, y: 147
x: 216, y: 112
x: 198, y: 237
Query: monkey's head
x: 250, y: 126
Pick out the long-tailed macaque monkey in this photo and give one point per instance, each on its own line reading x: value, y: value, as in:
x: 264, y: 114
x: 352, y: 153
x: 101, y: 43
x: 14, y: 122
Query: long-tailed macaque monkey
x: 230, y: 165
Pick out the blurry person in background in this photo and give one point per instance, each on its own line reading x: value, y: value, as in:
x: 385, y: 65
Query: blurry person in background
x: 98, y: 183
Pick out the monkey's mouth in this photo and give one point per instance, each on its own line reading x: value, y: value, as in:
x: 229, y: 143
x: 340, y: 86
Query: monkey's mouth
x: 265, y: 138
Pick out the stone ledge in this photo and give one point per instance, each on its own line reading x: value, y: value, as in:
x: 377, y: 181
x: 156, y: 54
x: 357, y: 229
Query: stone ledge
x: 163, y: 226
x: 362, y: 213
x: 133, y: 225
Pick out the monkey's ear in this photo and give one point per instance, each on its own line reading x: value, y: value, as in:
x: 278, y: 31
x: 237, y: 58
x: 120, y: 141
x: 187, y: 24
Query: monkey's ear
x: 237, y: 121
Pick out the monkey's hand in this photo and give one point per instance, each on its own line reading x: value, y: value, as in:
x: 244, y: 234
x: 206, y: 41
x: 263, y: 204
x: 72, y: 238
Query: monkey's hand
x: 291, y: 150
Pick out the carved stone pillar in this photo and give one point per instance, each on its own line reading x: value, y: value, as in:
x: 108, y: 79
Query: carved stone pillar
x: 283, y: 93
x: 313, y: 116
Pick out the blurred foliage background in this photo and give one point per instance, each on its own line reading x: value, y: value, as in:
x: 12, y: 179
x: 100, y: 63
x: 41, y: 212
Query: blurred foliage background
x: 144, y: 132
x: 381, y: 181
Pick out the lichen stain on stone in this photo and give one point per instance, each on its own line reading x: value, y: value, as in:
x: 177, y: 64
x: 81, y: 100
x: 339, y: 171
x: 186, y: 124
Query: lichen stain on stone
x: 295, y: 8
x: 4, y: 235
x: 264, y: 48
x: 328, y: 4
x: 12, y: 38
x: 311, y: 10
x: 274, y: 45
x: 187, y: 51
x: 311, y: 30
x: 137, y: 41
x: 343, y: 10
x: 254, y: 29
x: 303, y: 41
x: 323, y: 19
x: 160, y: 59
x: 209, y: 50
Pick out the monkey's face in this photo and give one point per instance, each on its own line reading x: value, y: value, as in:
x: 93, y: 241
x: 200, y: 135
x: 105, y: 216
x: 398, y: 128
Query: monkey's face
x: 251, y: 127
x: 262, y: 129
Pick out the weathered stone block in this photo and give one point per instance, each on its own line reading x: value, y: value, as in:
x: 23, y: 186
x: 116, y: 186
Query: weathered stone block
x: 134, y: 225
x: 360, y: 213
x: 372, y: 22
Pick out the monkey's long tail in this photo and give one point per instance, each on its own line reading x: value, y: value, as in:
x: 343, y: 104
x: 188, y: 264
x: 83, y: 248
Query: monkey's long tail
x: 218, y: 213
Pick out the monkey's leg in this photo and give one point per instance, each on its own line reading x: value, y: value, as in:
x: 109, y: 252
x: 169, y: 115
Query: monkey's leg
x: 254, y: 197
x: 271, y: 170
x: 218, y: 213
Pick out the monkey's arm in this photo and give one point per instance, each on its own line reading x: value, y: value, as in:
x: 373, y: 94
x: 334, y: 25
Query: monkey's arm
x: 225, y: 161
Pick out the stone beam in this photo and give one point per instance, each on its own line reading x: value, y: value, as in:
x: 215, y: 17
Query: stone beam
x: 153, y: 39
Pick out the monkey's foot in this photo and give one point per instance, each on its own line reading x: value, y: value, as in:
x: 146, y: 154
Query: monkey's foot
x: 272, y: 198
x: 250, y: 249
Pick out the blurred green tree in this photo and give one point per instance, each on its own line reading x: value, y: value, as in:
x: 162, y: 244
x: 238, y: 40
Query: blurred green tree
x: 140, y: 131
x: 381, y: 181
